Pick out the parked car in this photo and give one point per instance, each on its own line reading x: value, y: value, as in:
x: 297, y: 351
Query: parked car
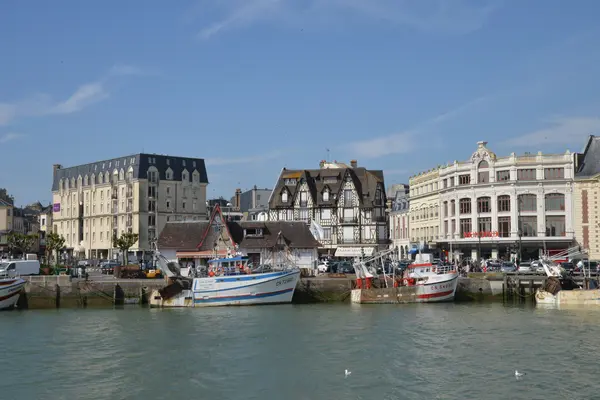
x: 508, y: 267
x: 525, y: 268
x: 108, y: 268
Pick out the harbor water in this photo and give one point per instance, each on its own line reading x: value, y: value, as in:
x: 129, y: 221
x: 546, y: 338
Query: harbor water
x: 435, y: 351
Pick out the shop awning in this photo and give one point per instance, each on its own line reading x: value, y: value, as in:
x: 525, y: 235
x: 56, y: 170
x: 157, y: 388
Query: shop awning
x: 354, y: 251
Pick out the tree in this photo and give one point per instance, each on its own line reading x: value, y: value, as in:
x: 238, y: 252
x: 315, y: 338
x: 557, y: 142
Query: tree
x: 21, y: 242
x: 54, y: 242
x: 6, y: 197
x: 124, y: 243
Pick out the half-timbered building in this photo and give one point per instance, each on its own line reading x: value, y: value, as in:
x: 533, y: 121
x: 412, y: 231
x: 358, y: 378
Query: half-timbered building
x: 347, y: 204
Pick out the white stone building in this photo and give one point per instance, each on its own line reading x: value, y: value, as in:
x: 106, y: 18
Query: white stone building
x: 399, y: 218
x: 494, y: 207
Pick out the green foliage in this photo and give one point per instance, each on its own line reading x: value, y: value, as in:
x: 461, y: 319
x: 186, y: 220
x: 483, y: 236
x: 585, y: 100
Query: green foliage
x: 124, y: 243
x: 54, y: 243
x: 20, y: 242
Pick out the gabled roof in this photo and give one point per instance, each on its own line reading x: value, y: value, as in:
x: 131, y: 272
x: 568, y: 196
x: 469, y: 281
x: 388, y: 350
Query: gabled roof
x: 365, y: 181
x: 215, y: 214
x: 590, y: 161
x: 182, y: 235
x: 296, y: 234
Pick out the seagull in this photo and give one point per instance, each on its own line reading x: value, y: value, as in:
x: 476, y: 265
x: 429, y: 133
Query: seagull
x: 346, y: 373
x: 518, y: 374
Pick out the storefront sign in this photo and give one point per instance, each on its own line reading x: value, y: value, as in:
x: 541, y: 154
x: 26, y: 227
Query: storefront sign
x: 353, y: 251
x: 481, y: 234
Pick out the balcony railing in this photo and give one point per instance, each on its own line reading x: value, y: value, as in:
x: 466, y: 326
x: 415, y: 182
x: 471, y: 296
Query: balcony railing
x: 349, y: 220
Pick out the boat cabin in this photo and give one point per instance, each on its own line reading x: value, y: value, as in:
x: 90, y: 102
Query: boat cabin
x: 228, y: 266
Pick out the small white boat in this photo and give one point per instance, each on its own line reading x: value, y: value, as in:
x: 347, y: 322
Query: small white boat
x: 434, y: 283
x: 229, y: 283
x: 10, y: 290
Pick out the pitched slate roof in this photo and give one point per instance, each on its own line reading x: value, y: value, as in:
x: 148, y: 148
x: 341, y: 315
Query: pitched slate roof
x: 590, y: 161
x: 296, y: 234
x: 139, y: 163
x: 182, y: 235
x: 365, y: 181
x: 4, y: 203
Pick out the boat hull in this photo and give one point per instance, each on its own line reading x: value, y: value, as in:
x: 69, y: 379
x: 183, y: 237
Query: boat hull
x: 441, y: 289
x: 235, y: 290
x: 568, y: 297
x: 10, y: 290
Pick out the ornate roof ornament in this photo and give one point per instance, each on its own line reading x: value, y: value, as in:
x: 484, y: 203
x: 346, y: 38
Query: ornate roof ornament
x: 482, y: 153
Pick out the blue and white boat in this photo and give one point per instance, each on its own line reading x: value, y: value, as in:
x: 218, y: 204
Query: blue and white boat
x: 228, y: 282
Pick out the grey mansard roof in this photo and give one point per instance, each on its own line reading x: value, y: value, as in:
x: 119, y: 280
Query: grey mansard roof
x: 590, y: 161
x: 140, y: 163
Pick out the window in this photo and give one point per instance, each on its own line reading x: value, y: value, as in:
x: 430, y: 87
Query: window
x: 555, y: 202
x: 169, y: 174
x: 325, y: 213
x: 326, y: 195
x: 284, y: 197
x: 289, y: 181
x: 445, y: 209
x: 483, y: 177
x: 465, y: 227
x: 526, y: 175
x: 101, y: 236
x: 445, y: 227
x: 464, y: 179
x: 152, y: 206
x: 555, y: 225
x: 185, y: 177
x: 151, y: 191
x: 151, y: 220
x: 503, y: 203
x: 152, y: 176
x: 465, y: 206
x: 484, y: 224
x: 168, y: 203
x: 348, y: 197
x: 303, y: 199
x: 168, y: 191
x: 452, y: 208
x: 183, y: 205
x: 504, y: 226
x: 527, y: 202
x: 528, y: 226
x: 327, y: 233
x: 349, y: 215
x: 445, y: 183
x: 194, y: 206
x: 303, y: 214
x: 554, y: 173
x: 484, y: 205
x: 502, y: 176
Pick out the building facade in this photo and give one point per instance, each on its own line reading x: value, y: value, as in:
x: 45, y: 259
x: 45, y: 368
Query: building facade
x: 506, y: 207
x: 137, y: 193
x: 586, y: 216
x: 6, y: 224
x: 399, y: 218
x: 424, y: 210
x: 347, y: 203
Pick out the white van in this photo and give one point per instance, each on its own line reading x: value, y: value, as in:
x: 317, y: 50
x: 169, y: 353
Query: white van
x: 20, y: 267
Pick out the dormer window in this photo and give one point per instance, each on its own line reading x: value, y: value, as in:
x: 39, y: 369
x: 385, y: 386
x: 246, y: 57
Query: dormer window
x: 256, y: 232
x: 290, y: 181
x: 326, y: 195
x: 284, y: 196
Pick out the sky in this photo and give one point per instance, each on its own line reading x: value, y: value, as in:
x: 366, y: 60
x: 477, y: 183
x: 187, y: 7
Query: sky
x: 253, y: 86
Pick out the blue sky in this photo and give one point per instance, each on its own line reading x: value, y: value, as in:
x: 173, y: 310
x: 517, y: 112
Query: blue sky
x: 256, y: 85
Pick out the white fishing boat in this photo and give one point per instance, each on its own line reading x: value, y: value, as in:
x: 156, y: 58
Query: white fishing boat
x: 10, y: 290
x: 422, y: 282
x: 434, y: 283
x: 560, y: 288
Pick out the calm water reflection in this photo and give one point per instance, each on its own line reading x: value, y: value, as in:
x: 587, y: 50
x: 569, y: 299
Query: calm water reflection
x: 290, y: 352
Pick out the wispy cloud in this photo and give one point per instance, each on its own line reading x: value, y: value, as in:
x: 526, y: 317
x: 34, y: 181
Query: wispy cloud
x: 244, y: 160
x: 9, y: 137
x: 561, y: 131
x: 84, y: 96
x: 439, y: 16
x: 397, y: 143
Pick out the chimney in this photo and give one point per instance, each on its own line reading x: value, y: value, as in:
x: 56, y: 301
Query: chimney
x: 322, y: 164
x: 353, y: 163
x: 56, y: 167
x: 238, y: 193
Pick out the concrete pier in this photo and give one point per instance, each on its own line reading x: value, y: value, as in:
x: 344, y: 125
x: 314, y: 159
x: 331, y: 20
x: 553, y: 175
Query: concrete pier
x: 61, y: 292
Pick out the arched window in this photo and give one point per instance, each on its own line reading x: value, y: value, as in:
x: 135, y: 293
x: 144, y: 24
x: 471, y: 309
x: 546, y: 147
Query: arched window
x: 483, y: 175
x: 484, y: 205
x: 503, y: 203
x: 555, y: 202
x: 528, y: 202
x: 121, y: 175
x: 185, y: 177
